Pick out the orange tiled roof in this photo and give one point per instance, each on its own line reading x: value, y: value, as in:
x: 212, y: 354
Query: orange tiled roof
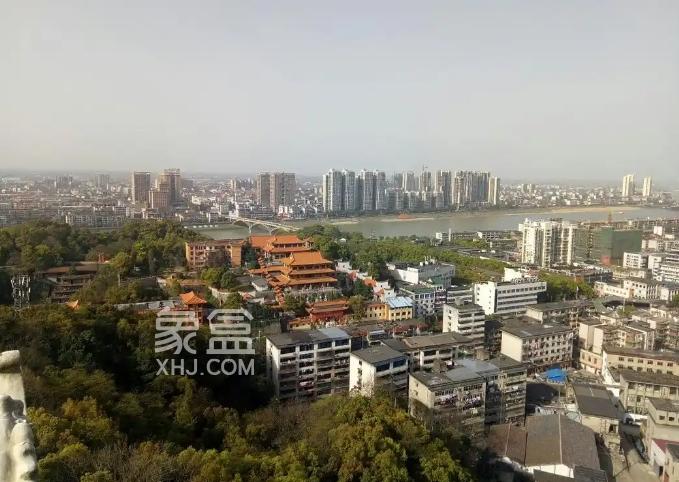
x: 259, y: 240
x: 306, y: 257
x: 192, y: 298
x: 339, y: 301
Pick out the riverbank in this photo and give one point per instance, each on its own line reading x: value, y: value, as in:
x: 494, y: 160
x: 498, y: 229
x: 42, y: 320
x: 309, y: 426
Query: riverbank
x: 426, y: 224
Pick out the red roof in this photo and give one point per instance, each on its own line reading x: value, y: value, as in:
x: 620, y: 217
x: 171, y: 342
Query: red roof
x: 192, y: 298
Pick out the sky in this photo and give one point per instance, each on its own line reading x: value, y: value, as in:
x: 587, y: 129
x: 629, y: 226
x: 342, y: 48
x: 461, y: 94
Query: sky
x: 542, y: 89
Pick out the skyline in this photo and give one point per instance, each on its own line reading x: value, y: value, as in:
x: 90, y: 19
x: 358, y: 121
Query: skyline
x: 513, y: 89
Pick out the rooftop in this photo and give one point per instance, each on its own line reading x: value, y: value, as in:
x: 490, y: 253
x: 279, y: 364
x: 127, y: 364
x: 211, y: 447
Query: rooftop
x: 536, y: 444
x: 465, y: 308
x: 594, y: 400
x: 399, y: 302
x: 633, y: 352
x: 527, y: 330
x: 561, y: 305
x: 456, y: 375
x: 649, y: 377
x: 430, y: 341
x: 664, y: 404
x: 307, y: 336
x: 378, y: 354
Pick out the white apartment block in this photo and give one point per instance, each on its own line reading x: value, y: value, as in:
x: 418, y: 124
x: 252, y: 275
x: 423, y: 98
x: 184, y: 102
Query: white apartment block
x: 429, y: 271
x: 307, y: 364
x: 467, y: 319
x: 547, y: 242
x: 540, y: 346
x: 425, y: 351
x: 508, y: 297
x: 377, y: 367
x: 635, y: 260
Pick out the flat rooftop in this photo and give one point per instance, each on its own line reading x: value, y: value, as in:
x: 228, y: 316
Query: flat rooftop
x: 528, y: 330
x: 378, y: 354
x: 307, y: 336
x: 649, y: 377
x: 458, y: 374
x: 431, y: 341
x: 561, y: 305
x: 632, y: 352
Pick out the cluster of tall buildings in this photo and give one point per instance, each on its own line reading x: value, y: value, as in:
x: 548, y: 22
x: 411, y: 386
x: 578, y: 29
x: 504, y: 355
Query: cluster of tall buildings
x: 553, y: 242
x: 628, y: 189
x: 166, y: 193
x: 275, y: 189
x: 347, y: 191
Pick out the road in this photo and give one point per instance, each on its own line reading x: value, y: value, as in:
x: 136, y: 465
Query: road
x: 635, y: 469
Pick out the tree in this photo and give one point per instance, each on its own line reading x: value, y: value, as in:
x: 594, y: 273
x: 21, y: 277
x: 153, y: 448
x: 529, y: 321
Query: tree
x: 296, y: 304
x: 234, y: 301
x: 363, y: 290
x: 358, y: 307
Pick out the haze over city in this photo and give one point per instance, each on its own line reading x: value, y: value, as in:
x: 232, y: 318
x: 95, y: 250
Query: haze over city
x: 525, y: 89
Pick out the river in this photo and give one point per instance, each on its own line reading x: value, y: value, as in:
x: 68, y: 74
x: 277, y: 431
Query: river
x: 426, y: 224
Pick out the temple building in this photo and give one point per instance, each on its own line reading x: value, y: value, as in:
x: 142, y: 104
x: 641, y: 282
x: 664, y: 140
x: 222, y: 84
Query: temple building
x: 192, y: 302
x: 279, y: 246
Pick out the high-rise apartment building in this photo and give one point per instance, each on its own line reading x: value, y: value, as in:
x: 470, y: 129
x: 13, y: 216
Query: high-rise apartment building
x: 409, y: 181
x: 283, y: 188
x: 425, y: 183
x: 103, y: 181
x: 333, y: 191
x: 349, y: 179
x: 470, y: 187
x: 141, y: 186
x: 173, y: 179
x: 605, y: 245
x: 547, y: 242
x: 264, y: 189
x: 366, y: 190
x: 648, y: 187
x: 160, y: 197
x: 443, y: 185
x: 494, y: 191
x: 628, y: 186
x: 380, y: 191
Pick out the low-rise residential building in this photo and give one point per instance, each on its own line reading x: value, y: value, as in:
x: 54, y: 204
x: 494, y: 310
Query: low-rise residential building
x: 459, y: 294
x: 660, y: 428
x: 455, y: 397
x: 564, y: 312
x: 597, y: 410
x: 378, y: 367
x: 468, y: 320
x: 505, y: 388
x: 376, y: 310
x: 307, y: 364
x: 423, y: 298
x: 508, y: 297
x: 547, y: 443
x: 429, y: 271
x: 539, y: 346
x: 427, y: 350
x: 637, y: 386
x: 217, y: 252
x: 399, y: 308
x: 644, y: 361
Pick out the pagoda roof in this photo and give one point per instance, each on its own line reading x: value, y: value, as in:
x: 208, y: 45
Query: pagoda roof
x: 192, y: 298
x: 306, y: 257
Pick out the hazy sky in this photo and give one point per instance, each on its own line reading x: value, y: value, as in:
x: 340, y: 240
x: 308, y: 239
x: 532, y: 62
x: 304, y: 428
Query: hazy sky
x: 523, y: 88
